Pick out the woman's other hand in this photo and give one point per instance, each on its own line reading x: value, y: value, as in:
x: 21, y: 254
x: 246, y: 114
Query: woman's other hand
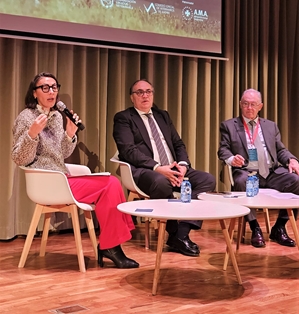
x: 71, y: 128
x: 37, y: 126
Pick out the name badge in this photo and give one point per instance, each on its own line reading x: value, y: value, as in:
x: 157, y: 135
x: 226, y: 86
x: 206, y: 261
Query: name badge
x: 252, y: 154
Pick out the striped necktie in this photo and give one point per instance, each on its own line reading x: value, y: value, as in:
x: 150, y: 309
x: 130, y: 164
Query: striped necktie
x: 160, y: 148
x: 263, y: 166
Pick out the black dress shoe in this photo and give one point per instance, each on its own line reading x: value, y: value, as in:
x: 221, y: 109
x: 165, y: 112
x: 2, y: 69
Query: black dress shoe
x: 117, y: 256
x: 183, y: 246
x: 192, y: 244
x: 171, y: 239
x: 279, y: 234
x: 257, y: 239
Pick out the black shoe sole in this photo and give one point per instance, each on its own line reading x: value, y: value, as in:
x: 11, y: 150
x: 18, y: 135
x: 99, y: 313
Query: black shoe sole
x: 183, y: 252
x: 259, y: 246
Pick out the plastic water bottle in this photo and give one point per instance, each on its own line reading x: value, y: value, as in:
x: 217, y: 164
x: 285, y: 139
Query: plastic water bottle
x: 186, y: 191
x: 256, y: 184
x: 250, y: 185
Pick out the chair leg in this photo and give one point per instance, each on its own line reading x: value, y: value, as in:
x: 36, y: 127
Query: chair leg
x: 77, y: 234
x: 156, y: 227
x: 267, y: 223
x: 45, y: 232
x: 31, y: 232
x: 132, y: 196
x: 91, y: 231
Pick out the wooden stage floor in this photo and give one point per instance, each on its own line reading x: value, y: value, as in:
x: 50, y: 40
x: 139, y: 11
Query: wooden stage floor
x: 53, y: 284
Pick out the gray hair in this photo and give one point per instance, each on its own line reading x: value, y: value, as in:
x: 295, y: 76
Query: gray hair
x: 253, y: 91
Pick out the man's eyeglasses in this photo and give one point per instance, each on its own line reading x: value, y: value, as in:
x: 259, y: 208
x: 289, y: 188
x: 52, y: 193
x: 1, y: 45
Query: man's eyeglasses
x: 247, y: 104
x: 141, y: 92
x: 46, y: 88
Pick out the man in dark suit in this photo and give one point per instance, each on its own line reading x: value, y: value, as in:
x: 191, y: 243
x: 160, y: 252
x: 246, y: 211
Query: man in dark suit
x: 138, y: 146
x: 239, y: 148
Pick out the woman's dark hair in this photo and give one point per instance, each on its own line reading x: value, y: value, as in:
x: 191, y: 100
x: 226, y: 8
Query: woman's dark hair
x: 141, y: 80
x: 30, y: 101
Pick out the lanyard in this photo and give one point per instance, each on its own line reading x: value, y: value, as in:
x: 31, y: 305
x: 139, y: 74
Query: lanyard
x: 254, y: 135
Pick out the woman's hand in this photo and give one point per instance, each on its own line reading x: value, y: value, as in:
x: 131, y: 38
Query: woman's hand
x: 71, y: 127
x: 37, y: 126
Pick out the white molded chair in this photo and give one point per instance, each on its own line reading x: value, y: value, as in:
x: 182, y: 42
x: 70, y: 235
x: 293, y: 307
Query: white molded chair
x: 243, y: 225
x: 127, y: 179
x: 51, y: 192
x: 134, y: 192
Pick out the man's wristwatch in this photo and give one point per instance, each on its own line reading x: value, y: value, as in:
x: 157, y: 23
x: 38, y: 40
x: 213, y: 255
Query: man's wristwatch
x: 185, y: 164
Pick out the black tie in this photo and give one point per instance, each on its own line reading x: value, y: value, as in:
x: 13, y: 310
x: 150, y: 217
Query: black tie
x: 263, y: 166
x: 160, y: 148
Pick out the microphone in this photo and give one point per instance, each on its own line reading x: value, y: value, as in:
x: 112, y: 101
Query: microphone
x: 62, y: 107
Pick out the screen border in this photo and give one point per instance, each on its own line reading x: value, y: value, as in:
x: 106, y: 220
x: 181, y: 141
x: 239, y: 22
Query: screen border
x: 9, y: 27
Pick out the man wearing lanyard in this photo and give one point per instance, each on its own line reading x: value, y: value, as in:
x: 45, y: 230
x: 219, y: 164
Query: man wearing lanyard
x: 250, y: 143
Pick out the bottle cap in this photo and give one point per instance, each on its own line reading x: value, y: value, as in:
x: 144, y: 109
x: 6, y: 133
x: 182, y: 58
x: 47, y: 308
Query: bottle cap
x: 253, y: 173
x: 186, y: 178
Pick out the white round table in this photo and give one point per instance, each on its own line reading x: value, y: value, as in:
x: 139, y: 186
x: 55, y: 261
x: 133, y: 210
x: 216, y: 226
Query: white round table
x: 266, y: 198
x: 164, y: 210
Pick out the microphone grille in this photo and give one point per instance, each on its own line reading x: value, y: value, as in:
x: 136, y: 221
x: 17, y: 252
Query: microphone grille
x: 60, y: 105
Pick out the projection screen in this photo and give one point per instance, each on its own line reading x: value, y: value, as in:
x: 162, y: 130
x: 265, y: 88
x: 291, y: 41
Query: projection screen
x: 179, y: 27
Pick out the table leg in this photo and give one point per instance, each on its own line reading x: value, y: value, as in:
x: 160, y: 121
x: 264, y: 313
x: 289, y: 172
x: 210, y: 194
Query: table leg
x: 230, y: 249
x: 161, y: 236
x: 231, y: 235
x: 294, y: 225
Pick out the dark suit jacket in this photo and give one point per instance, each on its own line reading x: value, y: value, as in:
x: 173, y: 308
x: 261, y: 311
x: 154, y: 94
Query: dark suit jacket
x: 233, y: 141
x: 133, y: 142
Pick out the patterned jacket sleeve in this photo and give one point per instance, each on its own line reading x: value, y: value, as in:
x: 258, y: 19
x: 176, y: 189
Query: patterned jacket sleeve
x: 48, y: 150
x: 23, y: 147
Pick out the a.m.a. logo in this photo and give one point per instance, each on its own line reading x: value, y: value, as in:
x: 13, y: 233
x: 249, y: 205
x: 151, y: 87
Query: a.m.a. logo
x: 200, y: 14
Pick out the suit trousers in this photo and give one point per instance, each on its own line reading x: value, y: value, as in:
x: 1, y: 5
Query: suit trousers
x: 106, y: 193
x: 157, y: 186
x: 280, y: 179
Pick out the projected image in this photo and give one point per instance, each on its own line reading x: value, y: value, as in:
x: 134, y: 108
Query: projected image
x: 194, y: 19
x: 166, y: 26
